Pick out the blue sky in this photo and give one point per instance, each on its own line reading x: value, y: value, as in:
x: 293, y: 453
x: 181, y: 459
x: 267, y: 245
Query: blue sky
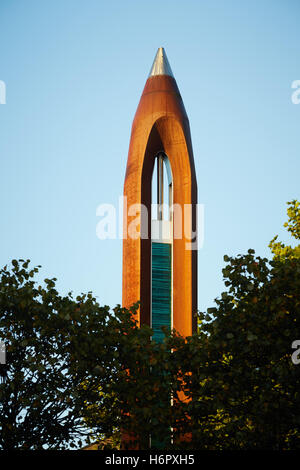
x: 74, y: 72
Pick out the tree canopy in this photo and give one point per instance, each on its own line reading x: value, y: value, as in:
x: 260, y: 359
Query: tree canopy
x: 233, y: 384
x: 77, y: 371
x: 59, y: 352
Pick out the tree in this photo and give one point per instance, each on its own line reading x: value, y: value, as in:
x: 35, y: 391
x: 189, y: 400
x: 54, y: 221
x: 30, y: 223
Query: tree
x: 232, y: 385
x: 244, y: 387
x: 59, y: 352
x: 77, y: 369
x: 280, y: 251
x: 147, y: 392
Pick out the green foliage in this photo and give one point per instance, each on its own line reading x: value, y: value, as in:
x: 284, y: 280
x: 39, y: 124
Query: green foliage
x: 245, y: 392
x: 54, y: 346
x: 280, y: 250
x: 77, y: 369
x: 233, y: 384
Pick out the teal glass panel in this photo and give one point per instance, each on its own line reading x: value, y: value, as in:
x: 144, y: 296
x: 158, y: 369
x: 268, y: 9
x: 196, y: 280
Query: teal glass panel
x: 161, y: 289
x: 161, y: 314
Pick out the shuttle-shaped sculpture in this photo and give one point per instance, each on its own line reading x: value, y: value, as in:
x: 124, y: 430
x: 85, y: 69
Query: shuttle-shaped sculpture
x: 160, y: 199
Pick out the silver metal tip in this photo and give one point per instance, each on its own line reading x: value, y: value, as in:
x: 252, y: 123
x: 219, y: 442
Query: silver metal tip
x: 161, y: 64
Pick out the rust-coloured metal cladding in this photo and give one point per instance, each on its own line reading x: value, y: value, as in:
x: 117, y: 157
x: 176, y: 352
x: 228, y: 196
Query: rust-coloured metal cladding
x: 160, y: 124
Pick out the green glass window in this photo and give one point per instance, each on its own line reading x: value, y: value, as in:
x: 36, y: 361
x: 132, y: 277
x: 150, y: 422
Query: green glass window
x: 161, y: 288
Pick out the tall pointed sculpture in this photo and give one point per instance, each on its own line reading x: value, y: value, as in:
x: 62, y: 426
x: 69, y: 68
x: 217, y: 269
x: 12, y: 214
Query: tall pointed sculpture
x: 160, y: 194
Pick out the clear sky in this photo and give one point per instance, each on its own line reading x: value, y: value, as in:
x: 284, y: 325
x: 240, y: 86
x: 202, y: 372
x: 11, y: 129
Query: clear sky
x: 74, y: 72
